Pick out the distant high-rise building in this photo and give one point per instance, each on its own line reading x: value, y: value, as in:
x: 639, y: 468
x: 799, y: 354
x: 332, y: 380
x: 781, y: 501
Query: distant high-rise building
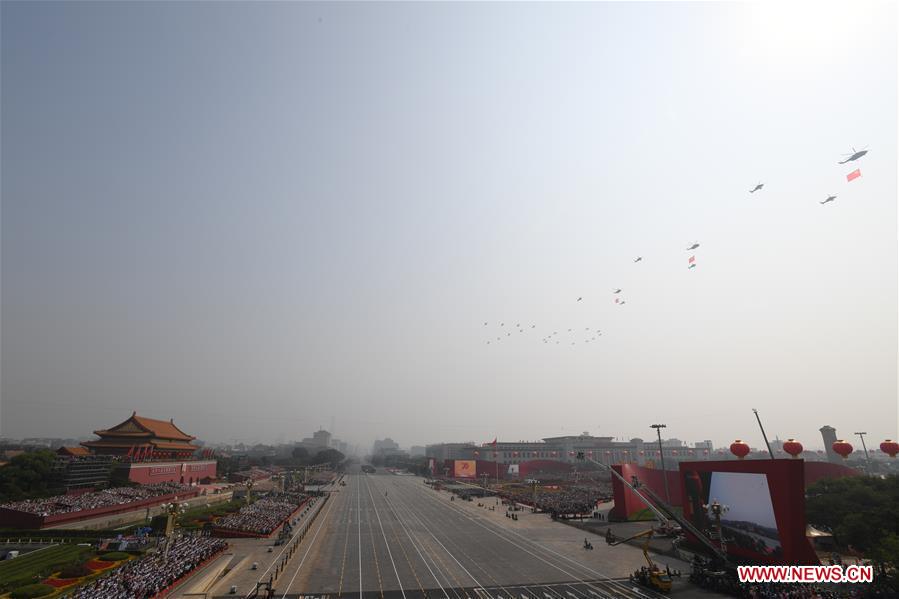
x: 417, y: 450
x: 387, y: 445
x: 829, y: 434
x: 322, y: 437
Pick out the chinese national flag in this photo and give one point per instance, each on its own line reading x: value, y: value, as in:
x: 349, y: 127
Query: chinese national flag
x: 692, y: 259
x: 854, y: 174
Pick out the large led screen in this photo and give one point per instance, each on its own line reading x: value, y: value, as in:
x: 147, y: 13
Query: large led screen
x: 747, y: 519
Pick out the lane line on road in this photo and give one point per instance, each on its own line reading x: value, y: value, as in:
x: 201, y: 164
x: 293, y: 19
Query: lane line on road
x: 398, y: 541
x: 415, y: 545
x: 346, y: 543
x: 359, y: 527
x: 433, y: 554
x: 374, y: 552
x: 384, y: 535
x: 309, y: 547
x: 496, y: 583
x: 628, y: 592
x: 448, y: 552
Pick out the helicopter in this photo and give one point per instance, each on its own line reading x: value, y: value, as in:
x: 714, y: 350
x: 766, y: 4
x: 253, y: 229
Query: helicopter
x: 694, y: 246
x: 855, y: 155
x: 756, y: 188
x: 829, y: 199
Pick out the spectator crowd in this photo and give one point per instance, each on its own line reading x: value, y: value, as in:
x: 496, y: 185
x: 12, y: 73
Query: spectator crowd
x: 145, y: 577
x: 64, y: 504
x: 263, y: 516
x: 566, y: 500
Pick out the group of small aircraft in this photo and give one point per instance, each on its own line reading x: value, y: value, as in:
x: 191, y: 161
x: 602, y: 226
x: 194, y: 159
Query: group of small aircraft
x: 851, y: 157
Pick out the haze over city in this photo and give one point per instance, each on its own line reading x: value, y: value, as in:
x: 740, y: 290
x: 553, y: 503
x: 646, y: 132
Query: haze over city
x: 262, y: 219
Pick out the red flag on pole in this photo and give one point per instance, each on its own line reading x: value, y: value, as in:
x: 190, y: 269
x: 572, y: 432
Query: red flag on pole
x: 854, y: 174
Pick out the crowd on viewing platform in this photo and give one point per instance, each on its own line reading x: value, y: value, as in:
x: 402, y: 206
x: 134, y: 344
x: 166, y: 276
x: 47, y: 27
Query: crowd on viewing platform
x: 263, y: 516
x: 64, y: 504
x: 148, y: 576
x: 564, y: 501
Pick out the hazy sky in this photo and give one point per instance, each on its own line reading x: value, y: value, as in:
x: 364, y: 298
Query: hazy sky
x: 256, y: 217
x: 746, y: 495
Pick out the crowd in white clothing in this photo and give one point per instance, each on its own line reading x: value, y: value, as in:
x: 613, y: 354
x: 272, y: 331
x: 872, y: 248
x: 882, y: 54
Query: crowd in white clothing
x: 64, y: 504
x: 263, y: 516
x: 145, y: 577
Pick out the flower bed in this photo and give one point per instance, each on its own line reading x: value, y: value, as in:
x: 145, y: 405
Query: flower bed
x: 61, y: 583
x: 96, y: 566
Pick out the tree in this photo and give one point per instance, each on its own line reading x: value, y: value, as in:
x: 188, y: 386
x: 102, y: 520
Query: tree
x: 27, y: 475
x: 862, y: 511
x: 329, y: 456
x: 300, y: 453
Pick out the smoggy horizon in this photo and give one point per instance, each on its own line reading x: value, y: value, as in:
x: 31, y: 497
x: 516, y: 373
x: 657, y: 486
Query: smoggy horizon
x: 413, y: 219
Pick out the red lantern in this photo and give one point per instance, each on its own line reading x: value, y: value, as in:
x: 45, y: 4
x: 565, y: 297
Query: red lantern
x: 571, y: 453
x: 793, y: 447
x: 641, y: 452
x: 590, y: 453
x: 514, y: 454
x: 891, y: 448
x: 739, y: 449
x: 477, y: 453
x: 842, y: 449
x: 673, y: 452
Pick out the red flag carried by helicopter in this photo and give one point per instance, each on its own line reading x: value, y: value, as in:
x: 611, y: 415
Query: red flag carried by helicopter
x: 854, y: 174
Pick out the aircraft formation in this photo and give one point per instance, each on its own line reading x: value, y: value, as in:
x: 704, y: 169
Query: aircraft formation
x: 573, y: 337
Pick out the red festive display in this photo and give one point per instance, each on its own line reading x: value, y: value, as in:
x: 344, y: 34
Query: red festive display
x: 793, y: 447
x: 739, y: 449
x: 842, y: 449
x: 889, y: 447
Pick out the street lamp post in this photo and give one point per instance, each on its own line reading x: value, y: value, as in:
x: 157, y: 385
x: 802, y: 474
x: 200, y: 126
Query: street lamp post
x: 659, y: 428
x: 764, y: 435
x: 172, y: 510
x: 861, y: 436
x: 716, y: 510
x: 249, y: 485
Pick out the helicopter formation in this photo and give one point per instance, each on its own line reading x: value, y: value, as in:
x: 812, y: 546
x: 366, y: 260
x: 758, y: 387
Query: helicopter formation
x: 552, y: 338
x: 855, y: 155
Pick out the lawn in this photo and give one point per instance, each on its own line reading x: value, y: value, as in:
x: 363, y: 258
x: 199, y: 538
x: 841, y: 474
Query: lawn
x: 39, y: 564
x: 196, y: 517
